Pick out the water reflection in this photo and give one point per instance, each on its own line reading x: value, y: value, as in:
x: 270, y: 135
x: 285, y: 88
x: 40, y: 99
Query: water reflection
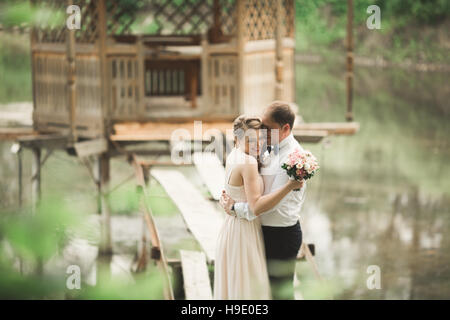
x: 382, y: 195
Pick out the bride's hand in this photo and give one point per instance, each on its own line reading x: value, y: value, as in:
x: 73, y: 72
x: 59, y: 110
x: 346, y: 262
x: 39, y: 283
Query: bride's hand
x: 295, y: 184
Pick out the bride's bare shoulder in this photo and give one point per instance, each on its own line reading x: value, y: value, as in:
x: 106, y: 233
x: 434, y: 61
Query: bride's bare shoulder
x: 249, y: 160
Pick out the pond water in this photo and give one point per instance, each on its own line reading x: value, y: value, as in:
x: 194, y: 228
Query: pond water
x: 381, y: 197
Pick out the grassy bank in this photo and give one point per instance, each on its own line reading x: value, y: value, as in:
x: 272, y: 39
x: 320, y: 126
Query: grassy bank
x: 15, y: 68
x: 410, y: 29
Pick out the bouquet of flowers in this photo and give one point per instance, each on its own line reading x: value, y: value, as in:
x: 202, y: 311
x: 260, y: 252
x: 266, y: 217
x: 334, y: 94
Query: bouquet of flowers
x: 301, y: 165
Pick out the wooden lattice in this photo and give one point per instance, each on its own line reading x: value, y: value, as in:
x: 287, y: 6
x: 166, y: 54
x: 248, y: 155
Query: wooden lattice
x: 89, y: 21
x: 121, y: 15
x: 228, y: 16
x: 51, y: 25
x: 260, y: 19
x: 181, y: 17
x: 47, y: 29
x: 163, y: 17
x: 168, y: 17
x: 289, y: 21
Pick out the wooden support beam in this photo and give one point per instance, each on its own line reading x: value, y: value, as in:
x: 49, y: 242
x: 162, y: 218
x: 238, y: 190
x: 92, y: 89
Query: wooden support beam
x: 310, y: 258
x: 141, y: 76
x: 332, y: 128
x: 206, y: 104
x: 71, y: 80
x: 309, y: 136
x: 349, y: 75
x: 103, y: 189
x: 47, y: 141
x: 19, y: 177
x: 241, y: 15
x: 95, y: 174
x: 157, y: 252
x: 106, y: 85
x: 302, y: 251
x: 36, y: 196
x: 36, y: 179
x: 91, y: 147
x: 279, y: 50
x: 194, y: 85
x: 11, y: 134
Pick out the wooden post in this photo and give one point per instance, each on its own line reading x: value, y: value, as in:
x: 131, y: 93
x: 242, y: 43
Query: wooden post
x: 279, y: 50
x: 141, y: 77
x: 206, y: 105
x: 194, y: 85
x: 216, y: 9
x: 240, y: 20
x: 33, y: 36
x: 97, y: 174
x: 36, y: 179
x: 20, y: 171
x: 105, y: 226
x: 71, y: 80
x: 106, y: 87
x: 104, y: 160
x: 142, y: 262
x: 157, y: 252
x: 349, y: 74
x: 36, y: 195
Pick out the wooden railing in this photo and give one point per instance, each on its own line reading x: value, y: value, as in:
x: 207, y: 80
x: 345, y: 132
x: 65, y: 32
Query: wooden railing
x: 124, y: 87
x: 51, y: 99
x: 143, y: 85
x: 222, y: 84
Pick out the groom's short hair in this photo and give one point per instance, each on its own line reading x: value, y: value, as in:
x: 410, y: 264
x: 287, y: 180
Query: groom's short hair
x: 281, y: 113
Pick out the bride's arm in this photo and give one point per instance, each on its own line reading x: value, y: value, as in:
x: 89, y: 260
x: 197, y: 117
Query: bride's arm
x: 257, y: 202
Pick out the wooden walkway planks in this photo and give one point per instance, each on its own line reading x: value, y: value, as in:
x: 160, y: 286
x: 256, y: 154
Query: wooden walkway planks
x: 201, y: 216
x: 211, y: 171
x: 197, y: 285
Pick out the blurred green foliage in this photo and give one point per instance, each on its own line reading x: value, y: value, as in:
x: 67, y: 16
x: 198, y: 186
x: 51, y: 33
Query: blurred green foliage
x: 411, y: 29
x: 18, y: 13
x: 28, y: 243
x: 15, y: 13
x: 15, y: 68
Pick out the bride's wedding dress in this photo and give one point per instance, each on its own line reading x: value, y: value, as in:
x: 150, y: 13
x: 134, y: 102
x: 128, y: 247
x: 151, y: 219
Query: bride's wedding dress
x: 240, y: 264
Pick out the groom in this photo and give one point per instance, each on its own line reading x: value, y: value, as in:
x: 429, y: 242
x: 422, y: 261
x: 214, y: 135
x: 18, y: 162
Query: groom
x: 280, y: 225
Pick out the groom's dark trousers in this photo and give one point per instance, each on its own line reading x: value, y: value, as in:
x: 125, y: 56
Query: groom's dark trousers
x: 282, y: 245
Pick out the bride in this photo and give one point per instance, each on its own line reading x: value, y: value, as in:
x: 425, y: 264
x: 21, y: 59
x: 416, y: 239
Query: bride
x: 240, y: 265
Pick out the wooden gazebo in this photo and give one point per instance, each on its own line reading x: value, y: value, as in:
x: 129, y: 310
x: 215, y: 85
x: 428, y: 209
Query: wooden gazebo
x: 208, y: 60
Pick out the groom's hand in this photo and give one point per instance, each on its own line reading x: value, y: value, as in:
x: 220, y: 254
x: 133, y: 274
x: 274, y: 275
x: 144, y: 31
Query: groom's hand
x: 226, y: 202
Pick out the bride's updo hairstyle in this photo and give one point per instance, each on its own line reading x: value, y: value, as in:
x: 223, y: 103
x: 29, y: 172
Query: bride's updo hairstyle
x: 242, y: 123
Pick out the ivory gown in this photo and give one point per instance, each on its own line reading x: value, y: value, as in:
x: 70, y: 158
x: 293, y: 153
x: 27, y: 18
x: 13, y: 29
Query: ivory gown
x: 240, y: 263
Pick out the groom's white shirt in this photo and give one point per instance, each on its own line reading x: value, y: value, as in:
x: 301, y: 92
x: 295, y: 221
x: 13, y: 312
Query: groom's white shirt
x: 287, y: 211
